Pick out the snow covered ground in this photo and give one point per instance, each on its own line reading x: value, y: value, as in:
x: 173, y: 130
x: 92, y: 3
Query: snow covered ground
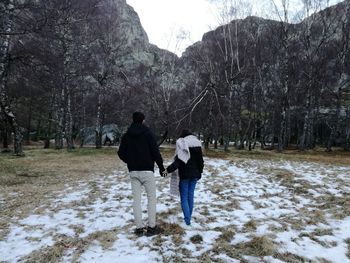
x: 245, y: 210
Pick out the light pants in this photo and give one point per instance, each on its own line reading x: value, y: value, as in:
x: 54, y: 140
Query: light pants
x: 146, y: 179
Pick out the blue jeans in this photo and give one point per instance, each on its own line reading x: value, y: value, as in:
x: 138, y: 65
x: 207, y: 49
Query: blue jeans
x: 186, y: 188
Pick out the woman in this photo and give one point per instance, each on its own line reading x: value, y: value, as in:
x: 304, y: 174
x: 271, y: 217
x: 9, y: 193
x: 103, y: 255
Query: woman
x: 189, y: 162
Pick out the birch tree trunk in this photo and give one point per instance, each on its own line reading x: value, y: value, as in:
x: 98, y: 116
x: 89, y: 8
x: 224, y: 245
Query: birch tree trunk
x: 59, y: 119
x: 29, y: 121
x: 282, y: 136
x: 305, y: 138
x: 49, y: 121
x: 82, y: 130
x: 335, y: 122
x: 69, y: 123
x: 98, y: 130
x: 68, y: 74
x: 4, y: 66
x: 5, y: 135
x: 281, y: 133
x: 48, y: 132
x: 347, y: 130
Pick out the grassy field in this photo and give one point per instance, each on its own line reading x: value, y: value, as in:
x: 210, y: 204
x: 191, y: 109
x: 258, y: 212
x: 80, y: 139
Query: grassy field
x: 30, y: 184
x: 51, y: 166
x: 44, y: 170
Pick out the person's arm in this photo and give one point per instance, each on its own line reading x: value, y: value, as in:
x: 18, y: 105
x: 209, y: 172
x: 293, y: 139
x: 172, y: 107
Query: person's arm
x: 199, y: 159
x: 174, y: 166
x: 122, y: 151
x: 157, y: 157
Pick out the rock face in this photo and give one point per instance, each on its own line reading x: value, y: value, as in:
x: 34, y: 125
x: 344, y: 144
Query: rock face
x: 138, y: 57
x: 132, y: 41
x: 142, y: 58
x: 265, y: 31
x: 275, y: 58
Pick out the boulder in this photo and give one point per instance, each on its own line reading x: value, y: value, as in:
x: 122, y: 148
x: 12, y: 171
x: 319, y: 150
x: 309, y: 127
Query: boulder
x: 110, y: 135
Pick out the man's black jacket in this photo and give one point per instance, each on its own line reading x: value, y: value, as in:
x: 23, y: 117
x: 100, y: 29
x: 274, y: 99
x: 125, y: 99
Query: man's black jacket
x: 139, y: 150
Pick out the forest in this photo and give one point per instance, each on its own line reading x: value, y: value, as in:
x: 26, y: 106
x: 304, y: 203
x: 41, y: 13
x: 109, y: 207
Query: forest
x: 71, y: 66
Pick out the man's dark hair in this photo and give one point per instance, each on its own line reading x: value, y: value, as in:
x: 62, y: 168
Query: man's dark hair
x: 184, y: 133
x: 138, y: 117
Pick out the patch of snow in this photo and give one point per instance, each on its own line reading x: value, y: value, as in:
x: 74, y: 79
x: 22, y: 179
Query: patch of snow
x: 228, y: 196
x: 21, y: 242
x: 124, y: 250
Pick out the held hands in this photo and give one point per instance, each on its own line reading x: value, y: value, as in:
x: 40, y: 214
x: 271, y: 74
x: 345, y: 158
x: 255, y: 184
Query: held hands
x: 164, y: 173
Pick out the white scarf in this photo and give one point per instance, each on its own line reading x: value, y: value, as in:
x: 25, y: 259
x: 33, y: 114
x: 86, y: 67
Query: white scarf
x: 183, y: 147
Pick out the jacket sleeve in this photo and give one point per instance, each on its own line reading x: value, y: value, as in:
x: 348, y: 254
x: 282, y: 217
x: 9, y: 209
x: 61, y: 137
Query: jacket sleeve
x: 155, y: 151
x: 174, y: 166
x: 200, y: 161
x: 122, y: 151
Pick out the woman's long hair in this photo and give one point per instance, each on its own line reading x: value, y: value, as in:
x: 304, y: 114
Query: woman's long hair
x: 184, y: 133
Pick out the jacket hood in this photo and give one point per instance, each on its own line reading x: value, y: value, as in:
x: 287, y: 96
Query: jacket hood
x: 136, y: 129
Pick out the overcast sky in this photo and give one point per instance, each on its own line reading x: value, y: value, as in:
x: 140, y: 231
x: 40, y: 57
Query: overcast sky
x: 165, y: 20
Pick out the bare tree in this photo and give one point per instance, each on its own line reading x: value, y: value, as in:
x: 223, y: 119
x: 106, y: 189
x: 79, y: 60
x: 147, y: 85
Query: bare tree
x: 8, y: 8
x: 341, y: 91
x: 282, y: 11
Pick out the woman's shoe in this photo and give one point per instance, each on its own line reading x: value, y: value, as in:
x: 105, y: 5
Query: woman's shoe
x: 186, y: 226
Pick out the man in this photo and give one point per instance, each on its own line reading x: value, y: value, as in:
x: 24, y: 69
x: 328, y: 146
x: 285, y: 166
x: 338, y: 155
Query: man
x: 139, y: 150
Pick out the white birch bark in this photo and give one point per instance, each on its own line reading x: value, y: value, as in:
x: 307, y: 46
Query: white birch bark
x: 59, y: 119
x: 98, y: 130
x: 4, y: 101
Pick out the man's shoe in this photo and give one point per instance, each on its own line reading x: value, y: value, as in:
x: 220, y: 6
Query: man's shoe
x: 139, y: 231
x: 151, y: 231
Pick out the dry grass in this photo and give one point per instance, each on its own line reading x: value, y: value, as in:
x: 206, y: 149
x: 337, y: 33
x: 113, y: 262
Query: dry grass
x: 323, y: 232
x: 317, y: 155
x: 347, y: 241
x: 106, y: 238
x: 315, y: 217
x: 217, y: 189
x: 314, y: 237
x: 227, y: 234
x: 27, y: 183
x: 50, y: 166
x: 171, y: 229
x: 205, y: 211
x: 55, y: 252
x: 196, y: 239
x: 47, y: 254
x: 302, y: 188
x: 323, y: 260
x: 205, y: 258
x: 250, y: 226
x: 339, y: 206
x: 222, y: 244
x: 258, y: 246
x: 171, y: 211
x: 290, y: 258
x: 296, y: 223
x: 226, y: 249
x: 284, y: 176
